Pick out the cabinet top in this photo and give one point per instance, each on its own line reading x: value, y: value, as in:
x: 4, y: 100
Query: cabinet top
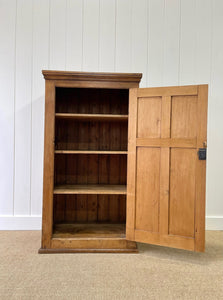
x: 92, y: 76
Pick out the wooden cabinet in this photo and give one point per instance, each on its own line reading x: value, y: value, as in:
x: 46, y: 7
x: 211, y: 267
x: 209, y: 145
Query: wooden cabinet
x: 121, y: 164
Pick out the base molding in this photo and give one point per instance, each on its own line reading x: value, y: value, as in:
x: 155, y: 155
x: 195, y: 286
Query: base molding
x: 57, y: 251
x: 214, y: 222
x: 20, y: 222
x: 34, y: 222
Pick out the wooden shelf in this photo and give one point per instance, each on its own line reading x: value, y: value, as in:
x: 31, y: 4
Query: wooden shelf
x: 89, y: 152
x: 91, y: 189
x: 92, y: 117
x: 88, y: 230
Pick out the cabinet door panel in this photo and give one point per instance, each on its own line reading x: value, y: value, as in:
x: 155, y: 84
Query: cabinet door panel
x: 184, y: 117
x: 149, y: 117
x: 182, y: 192
x: 166, y: 179
x: 147, y: 186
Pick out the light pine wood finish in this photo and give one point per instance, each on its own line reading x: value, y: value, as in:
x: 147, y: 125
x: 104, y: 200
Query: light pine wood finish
x: 86, y: 206
x: 150, y: 117
x: 89, y: 117
x: 201, y: 169
x: 85, y: 162
x: 147, y: 186
x: 91, y: 189
x: 182, y: 192
x: 89, y: 152
x: 166, y: 180
x: 92, y: 76
x: 48, y: 165
x: 131, y: 176
x: 88, y: 230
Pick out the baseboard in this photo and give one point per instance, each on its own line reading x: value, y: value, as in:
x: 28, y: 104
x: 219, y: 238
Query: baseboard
x: 214, y: 222
x: 34, y: 222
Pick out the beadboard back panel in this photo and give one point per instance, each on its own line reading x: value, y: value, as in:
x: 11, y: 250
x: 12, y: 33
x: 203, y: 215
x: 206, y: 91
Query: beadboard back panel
x: 177, y: 42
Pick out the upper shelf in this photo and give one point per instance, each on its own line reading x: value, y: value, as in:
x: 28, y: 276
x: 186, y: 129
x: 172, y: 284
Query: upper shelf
x: 92, y: 117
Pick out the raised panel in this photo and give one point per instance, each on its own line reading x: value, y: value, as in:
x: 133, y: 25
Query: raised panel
x: 149, y: 117
x: 182, y: 192
x: 184, y: 117
x: 147, y: 189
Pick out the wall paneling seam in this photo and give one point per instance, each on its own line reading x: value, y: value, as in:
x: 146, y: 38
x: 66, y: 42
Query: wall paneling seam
x: 31, y: 117
x: 13, y: 200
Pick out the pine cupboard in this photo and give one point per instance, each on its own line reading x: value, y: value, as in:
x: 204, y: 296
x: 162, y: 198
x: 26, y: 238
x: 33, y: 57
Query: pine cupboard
x: 122, y: 164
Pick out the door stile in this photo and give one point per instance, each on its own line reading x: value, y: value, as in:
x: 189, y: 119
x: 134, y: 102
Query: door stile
x: 165, y: 166
x: 131, y: 167
x: 201, y: 169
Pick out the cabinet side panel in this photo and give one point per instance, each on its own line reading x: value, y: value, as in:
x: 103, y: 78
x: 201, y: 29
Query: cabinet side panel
x: 48, y: 164
x: 131, y: 167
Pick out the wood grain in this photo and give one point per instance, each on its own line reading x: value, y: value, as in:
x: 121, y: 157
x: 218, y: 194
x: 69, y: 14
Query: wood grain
x: 92, y: 76
x: 90, y: 147
x: 86, y: 250
x: 89, y: 152
x: 47, y: 220
x: 184, y: 117
x: 167, y: 142
x: 99, y: 244
x: 131, y: 168
x: 147, y: 187
x: 182, y: 192
x: 168, y: 91
x: 89, y: 117
x: 165, y: 165
x: 149, y: 117
x: 91, y: 189
x: 180, y: 211
x: 201, y: 170
x: 89, y: 230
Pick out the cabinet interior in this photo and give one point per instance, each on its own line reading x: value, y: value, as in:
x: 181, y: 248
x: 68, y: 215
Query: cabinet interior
x: 90, y: 165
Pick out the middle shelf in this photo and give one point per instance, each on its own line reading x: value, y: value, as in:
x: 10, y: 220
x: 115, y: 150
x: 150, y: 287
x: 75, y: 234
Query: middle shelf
x: 89, y: 152
x: 106, y: 189
x: 92, y: 117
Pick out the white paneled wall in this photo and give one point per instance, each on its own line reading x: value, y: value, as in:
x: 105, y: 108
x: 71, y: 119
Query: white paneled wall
x: 172, y: 42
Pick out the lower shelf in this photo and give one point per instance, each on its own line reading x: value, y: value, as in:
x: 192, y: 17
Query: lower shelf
x: 106, y: 189
x: 99, y: 230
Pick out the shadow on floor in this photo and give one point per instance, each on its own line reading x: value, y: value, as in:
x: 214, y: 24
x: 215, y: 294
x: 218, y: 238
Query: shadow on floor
x: 213, y: 251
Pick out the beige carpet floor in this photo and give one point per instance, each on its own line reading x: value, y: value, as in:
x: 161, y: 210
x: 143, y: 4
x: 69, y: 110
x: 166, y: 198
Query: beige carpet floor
x: 154, y: 273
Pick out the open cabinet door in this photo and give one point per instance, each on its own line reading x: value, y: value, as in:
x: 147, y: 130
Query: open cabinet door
x: 167, y: 166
